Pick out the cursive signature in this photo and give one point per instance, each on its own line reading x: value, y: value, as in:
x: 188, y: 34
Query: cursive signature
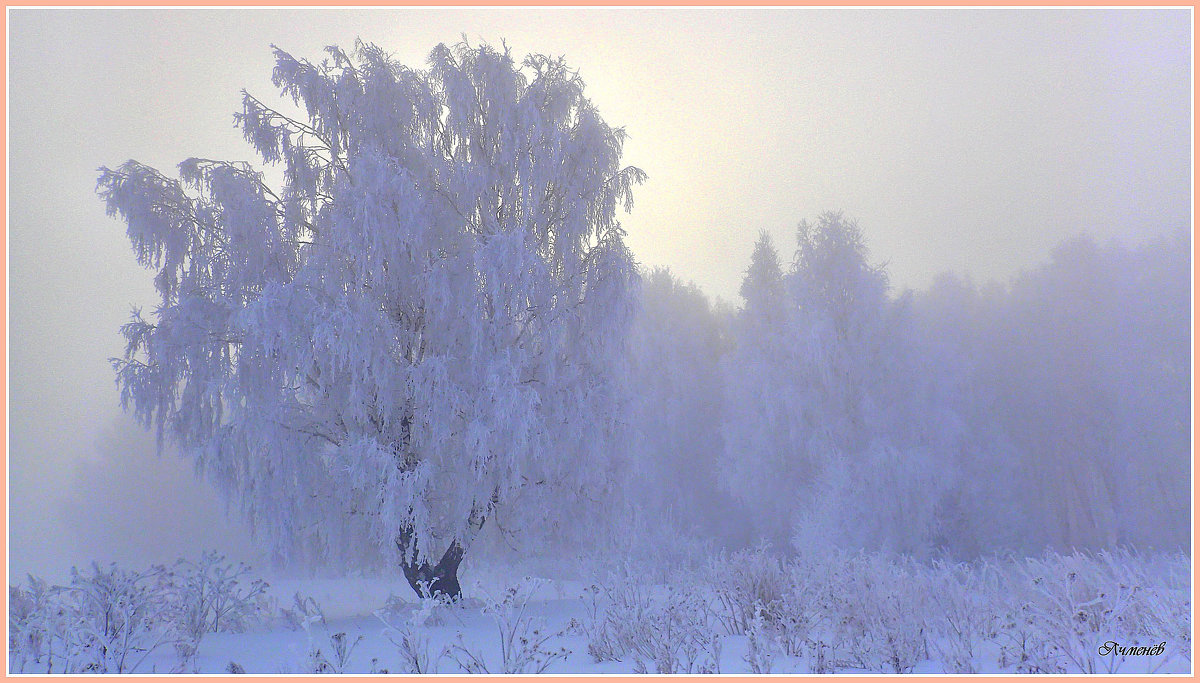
x: 1113, y: 646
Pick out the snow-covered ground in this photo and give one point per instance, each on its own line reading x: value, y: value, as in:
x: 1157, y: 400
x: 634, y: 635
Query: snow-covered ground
x: 741, y: 613
x: 453, y: 634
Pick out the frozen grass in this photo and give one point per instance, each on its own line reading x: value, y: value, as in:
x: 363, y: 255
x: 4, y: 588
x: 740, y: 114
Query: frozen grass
x: 737, y: 613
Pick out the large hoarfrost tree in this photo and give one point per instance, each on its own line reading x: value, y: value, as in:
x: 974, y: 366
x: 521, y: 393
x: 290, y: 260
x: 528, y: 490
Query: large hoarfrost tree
x: 411, y: 333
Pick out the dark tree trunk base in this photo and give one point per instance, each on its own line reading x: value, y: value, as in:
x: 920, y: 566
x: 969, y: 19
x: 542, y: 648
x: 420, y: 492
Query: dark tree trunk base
x: 436, y: 580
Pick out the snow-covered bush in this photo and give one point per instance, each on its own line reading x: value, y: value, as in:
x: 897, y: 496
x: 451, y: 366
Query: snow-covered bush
x: 675, y: 636
x: 335, y: 657
x: 759, y: 656
x: 523, y: 640
x: 1166, y: 607
x: 1057, y: 610
x: 125, y: 615
x: 412, y: 644
x: 110, y: 620
x: 211, y: 595
x: 44, y: 630
x: 1023, y: 647
x: 797, y: 613
x: 747, y: 585
x: 962, y: 614
x: 218, y: 595
x: 524, y: 643
x: 1078, y: 601
x: 612, y: 614
x: 328, y: 651
x: 1162, y: 608
x: 660, y: 630
x: 877, y: 612
x: 106, y: 620
x: 304, y: 612
x: 430, y: 609
x: 886, y: 613
x: 824, y: 613
x: 25, y: 606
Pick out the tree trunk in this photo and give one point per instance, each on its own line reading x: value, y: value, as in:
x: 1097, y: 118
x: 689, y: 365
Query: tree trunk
x: 430, y: 580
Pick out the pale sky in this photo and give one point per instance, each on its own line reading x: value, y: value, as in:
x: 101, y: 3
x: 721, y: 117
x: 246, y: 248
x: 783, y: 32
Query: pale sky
x: 966, y: 140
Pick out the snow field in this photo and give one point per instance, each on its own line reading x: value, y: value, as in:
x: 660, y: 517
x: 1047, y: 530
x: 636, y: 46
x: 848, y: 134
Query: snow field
x: 746, y: 612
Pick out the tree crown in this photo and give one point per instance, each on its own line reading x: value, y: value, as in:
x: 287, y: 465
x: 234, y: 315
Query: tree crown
x: 417, y: 326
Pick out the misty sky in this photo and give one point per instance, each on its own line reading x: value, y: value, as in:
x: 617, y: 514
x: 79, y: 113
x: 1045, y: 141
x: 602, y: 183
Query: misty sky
x: 962, y: 140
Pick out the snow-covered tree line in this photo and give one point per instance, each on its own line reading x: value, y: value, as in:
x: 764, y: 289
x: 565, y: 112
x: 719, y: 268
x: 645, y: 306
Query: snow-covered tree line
x: 433, y: 333
x: 1050, y: 411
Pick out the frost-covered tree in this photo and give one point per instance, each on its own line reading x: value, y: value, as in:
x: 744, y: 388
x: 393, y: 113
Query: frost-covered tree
x: 947, y: 404
x: 826, y: 440
x: 843, y: 319
x: 1086, y: 363
x: 763, y: 288
x: 840, y: 303
x: 1056, y: 406
x: 411, y: 334
x: 676, y: 343
x: 767, y: 463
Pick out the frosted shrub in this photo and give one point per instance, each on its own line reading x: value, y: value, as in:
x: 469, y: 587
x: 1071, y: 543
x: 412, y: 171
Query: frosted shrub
x: 218, y: 595
x: 328, y: 652
x: 875, y: 614
x: 1167, y: 607
x: 412, y: 643
x: 1077, y: 603
x: 335, y: 659
x: 524, y: 645
x: 211, y: 595
x: 675, y: 636
x: 432, y: 608
x: 887, y: 613
x: 106, y: 621
x: 1023, y: 645
x: 798, y: 612
x: 612, y: 629
x: 746, y: 584
x: 468, y: 660
x: 672, y: 633
x: 1160, y: 609
x: 759, y: 656
x: 405, y: 627
x: 1057, y: 610
x: 44, y: 630
x: 814, y: 620
x: 896, y: 617
x: 25, y: 606
x: 775, y: 604
x: 112, y: 620
x: 305, y: 611
x: 962, y: 614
